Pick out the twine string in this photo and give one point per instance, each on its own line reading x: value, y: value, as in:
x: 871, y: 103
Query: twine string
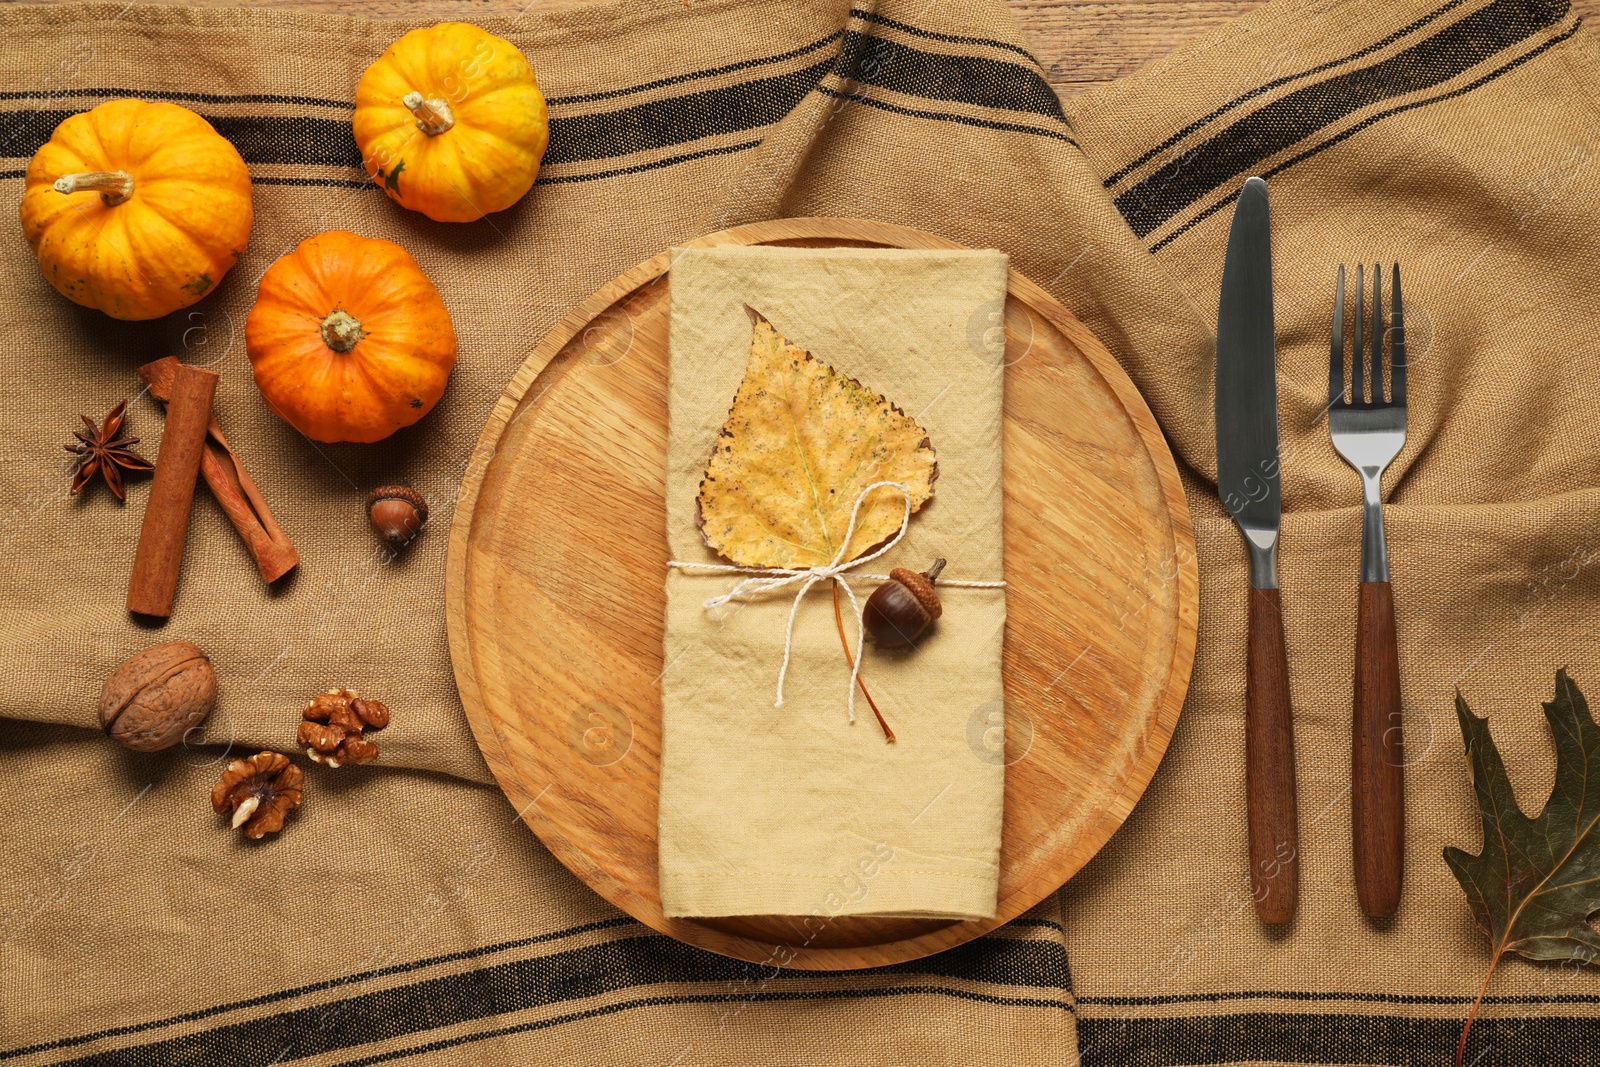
x: 765, y: 580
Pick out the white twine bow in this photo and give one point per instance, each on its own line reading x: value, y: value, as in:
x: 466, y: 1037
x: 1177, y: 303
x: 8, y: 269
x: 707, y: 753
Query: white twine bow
x: 765, y: 580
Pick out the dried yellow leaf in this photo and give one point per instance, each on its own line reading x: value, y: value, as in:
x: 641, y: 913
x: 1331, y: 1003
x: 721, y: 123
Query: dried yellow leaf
x: 801, y: 443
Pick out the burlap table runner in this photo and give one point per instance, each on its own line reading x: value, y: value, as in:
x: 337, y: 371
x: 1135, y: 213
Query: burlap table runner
x: 406, y: 914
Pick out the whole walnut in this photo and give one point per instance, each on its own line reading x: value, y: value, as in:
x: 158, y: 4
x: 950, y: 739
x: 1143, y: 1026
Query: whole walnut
x: 157, y: 696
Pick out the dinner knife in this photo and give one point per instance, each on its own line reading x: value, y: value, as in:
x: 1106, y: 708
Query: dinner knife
x: 1247, y: 481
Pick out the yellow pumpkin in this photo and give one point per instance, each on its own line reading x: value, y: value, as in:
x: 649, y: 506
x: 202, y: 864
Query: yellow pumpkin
x: 348, y: 338
x: 451, y: 123
x: 136, y: 209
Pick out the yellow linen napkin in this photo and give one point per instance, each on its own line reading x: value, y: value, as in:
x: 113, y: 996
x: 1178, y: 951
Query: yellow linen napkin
x: 794, y: 810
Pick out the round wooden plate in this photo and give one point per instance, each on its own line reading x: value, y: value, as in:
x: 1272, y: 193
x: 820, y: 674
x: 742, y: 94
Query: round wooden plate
x: 555, y: 602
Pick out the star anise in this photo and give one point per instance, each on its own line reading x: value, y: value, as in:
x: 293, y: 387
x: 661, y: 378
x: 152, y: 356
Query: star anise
x: 103, y: 450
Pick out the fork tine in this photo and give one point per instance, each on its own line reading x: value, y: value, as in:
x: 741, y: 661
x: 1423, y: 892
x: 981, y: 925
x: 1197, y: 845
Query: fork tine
x: 1375, y: 357
x: 1358, y: 362
x: 1397, y: 334
x: 1336, y: 356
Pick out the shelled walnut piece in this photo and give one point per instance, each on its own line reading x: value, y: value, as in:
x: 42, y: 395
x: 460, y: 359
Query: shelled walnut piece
x: 259, y: 791
x: 333, y: 730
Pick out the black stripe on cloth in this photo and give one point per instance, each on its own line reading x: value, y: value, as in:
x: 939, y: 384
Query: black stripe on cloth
x: 1532, y: 1041
x: 715, y: 998
x: 571, y: 975
x: 198, y: 98
x: 975, y: 80
x: 678, y: 120
x: 1012, y: 127
x: 946, y: 38
x: 1372, y: 998
x: 651, y: 126
x: 260, y: 139
x: 1308, y: 153
x: 346, y: 105
x: 753, y: 104
x: 323, y: 183
x: 711, y: 72
x: 582, y: 138
x: 318, y: 987
x: 327, y: 142
x: 1297, y: 116
x: 1261, y: 90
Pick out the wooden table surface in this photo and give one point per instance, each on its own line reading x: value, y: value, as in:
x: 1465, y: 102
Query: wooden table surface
x: 1081, y: 43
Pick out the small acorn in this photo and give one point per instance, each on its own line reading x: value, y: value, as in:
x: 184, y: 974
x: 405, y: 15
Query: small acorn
x: 397, y: 513
x: 900, y: 609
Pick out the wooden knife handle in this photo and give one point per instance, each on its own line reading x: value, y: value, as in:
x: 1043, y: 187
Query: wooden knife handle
x: 1377, y: 772
x: 1269, y: 765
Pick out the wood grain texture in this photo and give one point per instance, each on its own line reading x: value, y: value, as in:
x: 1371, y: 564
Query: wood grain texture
x: 1274, y: 829
x: 556, y: 603
x: 1377, y: 772
x: 1082, y: 44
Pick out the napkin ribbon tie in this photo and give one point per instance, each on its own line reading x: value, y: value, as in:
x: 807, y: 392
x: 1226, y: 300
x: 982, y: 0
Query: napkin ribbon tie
x: 765, y: 580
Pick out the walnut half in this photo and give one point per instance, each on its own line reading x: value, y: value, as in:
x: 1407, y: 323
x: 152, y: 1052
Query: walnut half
x: 260, y: 792
x: 333, y: 730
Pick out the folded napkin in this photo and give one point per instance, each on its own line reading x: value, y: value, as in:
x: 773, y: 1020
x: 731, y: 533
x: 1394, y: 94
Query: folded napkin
x: 794, y: 810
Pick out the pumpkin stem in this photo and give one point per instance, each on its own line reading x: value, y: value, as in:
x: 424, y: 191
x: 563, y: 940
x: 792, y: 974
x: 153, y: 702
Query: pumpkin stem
x: 433, y: 116
x: 341, y: 330
x: 114, y: 186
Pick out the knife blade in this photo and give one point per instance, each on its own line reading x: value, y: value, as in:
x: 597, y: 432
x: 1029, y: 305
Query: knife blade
x: 1248, y: 473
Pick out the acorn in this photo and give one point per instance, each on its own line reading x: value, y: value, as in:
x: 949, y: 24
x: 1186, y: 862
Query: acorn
x: 397, y: 512
x: 900, y: 609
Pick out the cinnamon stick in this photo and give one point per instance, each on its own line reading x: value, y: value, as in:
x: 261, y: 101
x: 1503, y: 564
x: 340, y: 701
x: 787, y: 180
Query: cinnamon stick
x: 232, y: 486
x: 166, y: 515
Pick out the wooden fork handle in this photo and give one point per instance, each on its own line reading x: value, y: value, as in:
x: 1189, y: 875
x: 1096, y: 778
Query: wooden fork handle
x: 1377, y: 772
x: 1269, y: 765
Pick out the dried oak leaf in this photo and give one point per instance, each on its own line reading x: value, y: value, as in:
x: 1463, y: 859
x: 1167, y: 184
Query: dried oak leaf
x: 800, y: 444
x: 259, y: 791
x: 1537, y: 881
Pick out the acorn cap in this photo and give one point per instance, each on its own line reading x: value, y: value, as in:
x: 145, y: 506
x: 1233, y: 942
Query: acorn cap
x: 400, y: 492
x: 921, y: 586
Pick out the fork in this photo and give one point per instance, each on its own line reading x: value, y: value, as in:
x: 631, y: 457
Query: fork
x: 1369, y: 433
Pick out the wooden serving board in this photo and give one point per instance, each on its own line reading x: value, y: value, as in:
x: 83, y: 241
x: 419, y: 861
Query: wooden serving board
x: 556, y: 602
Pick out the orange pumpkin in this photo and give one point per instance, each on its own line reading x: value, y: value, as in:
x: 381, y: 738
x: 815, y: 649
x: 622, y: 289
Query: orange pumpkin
x: 136, y: 209
x: 451, y: 123
x: 349, y: 339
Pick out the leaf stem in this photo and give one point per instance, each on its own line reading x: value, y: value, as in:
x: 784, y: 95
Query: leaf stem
x: 1461, y: 1046
x: 838, y: 617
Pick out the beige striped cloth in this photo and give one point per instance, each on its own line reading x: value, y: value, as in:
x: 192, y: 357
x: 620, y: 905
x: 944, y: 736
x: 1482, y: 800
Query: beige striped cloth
x: 406, y: 913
